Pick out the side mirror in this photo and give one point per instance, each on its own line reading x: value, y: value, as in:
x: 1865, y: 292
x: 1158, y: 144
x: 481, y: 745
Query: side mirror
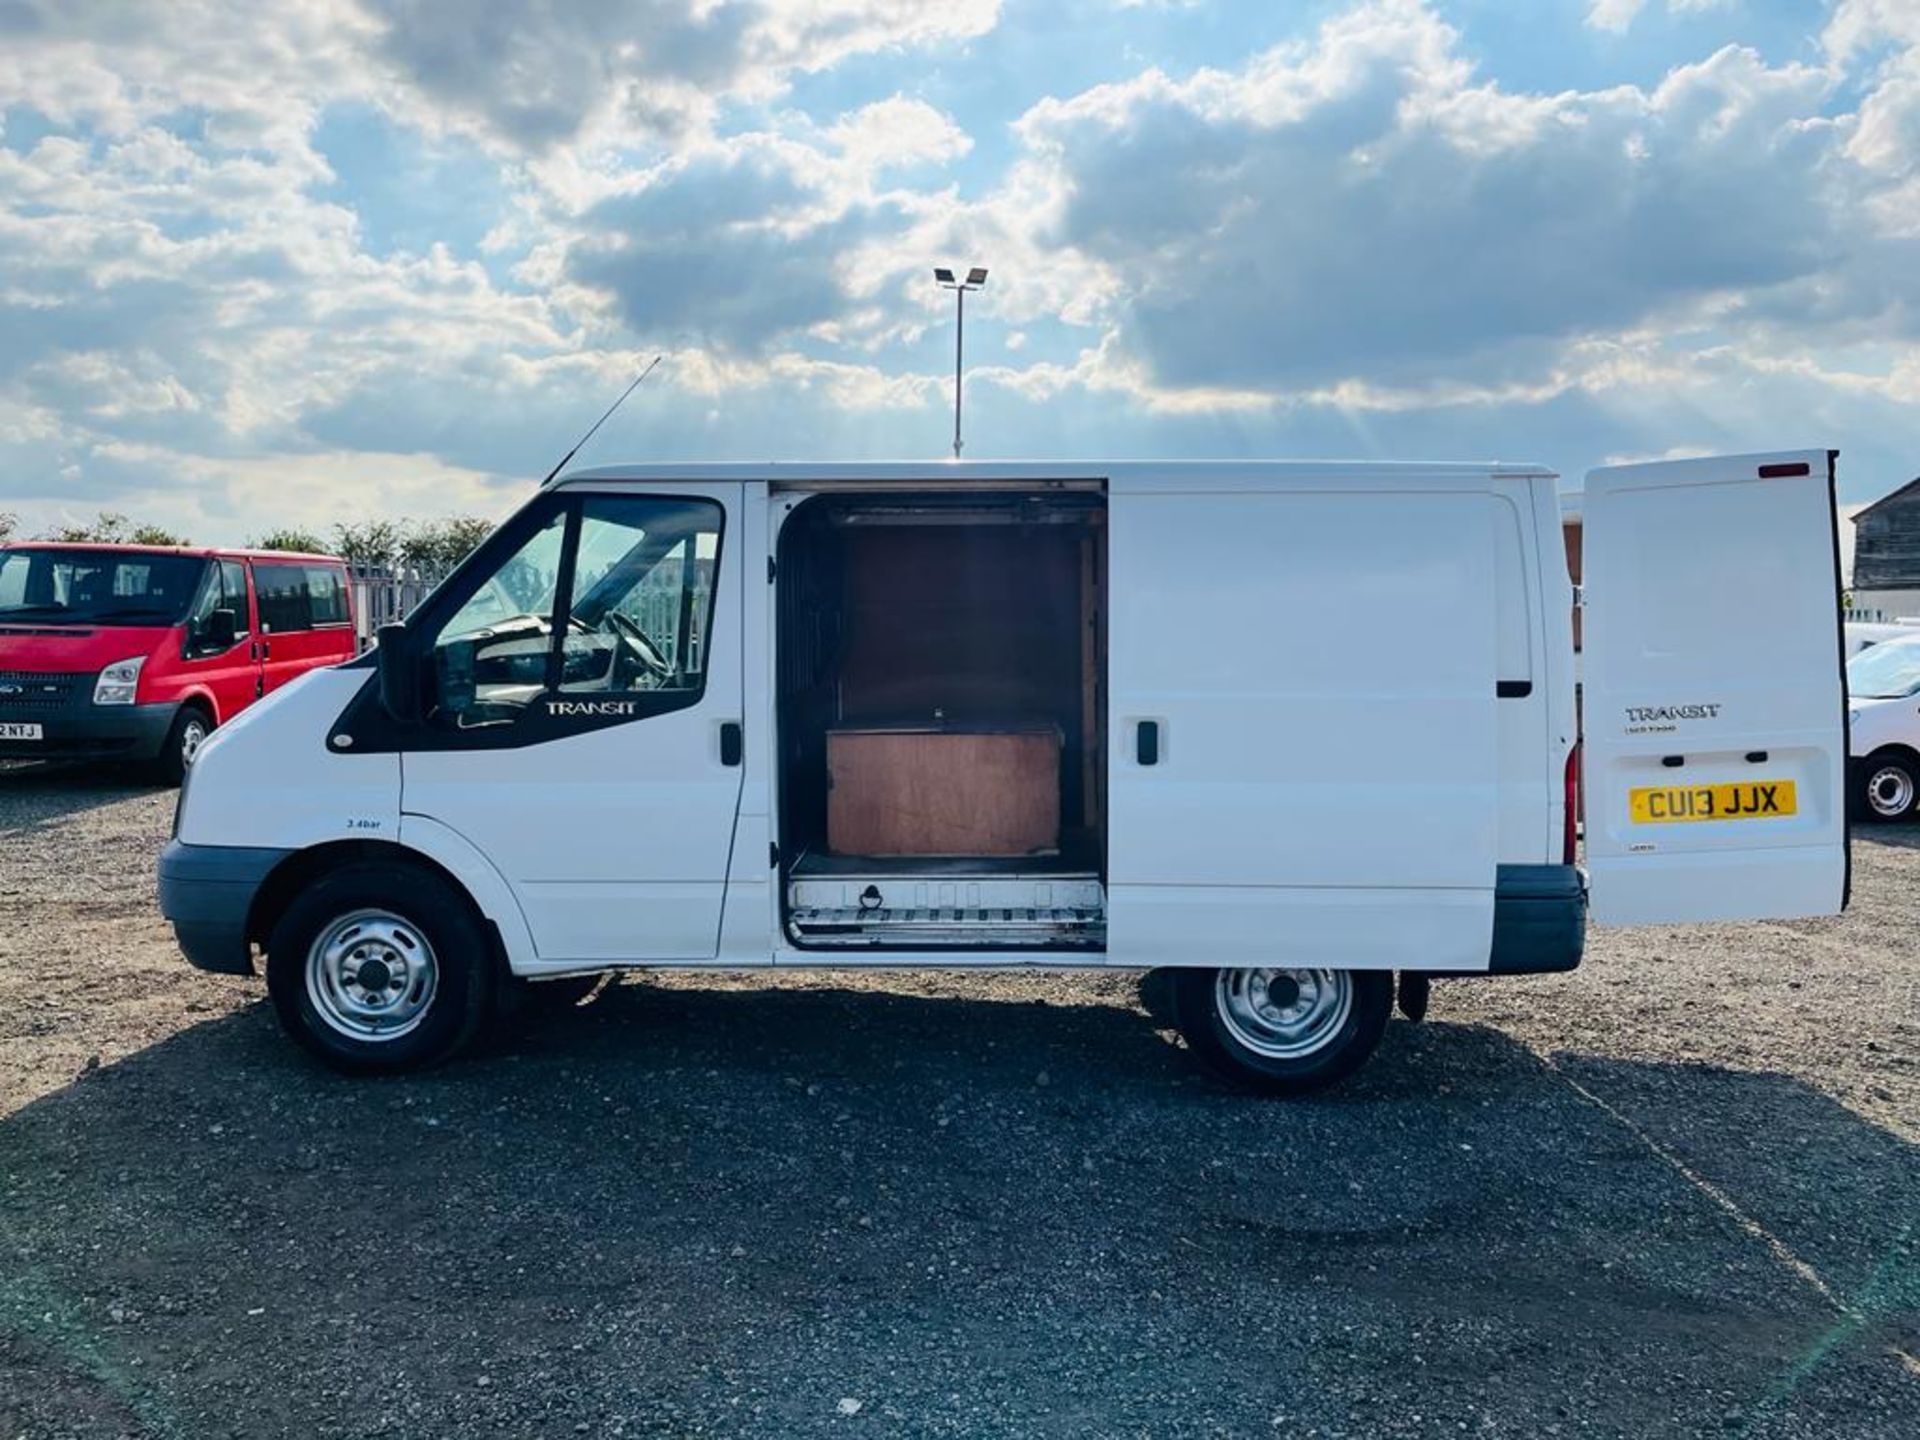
x: 399, y: 672
x: 222, y: 630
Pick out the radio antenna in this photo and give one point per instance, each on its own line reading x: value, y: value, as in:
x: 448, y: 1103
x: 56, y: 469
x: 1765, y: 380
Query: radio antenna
x: 601, y: 421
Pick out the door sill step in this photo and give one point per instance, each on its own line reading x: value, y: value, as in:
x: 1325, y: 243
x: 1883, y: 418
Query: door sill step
x: 914, y: 911
x: 912, y: 929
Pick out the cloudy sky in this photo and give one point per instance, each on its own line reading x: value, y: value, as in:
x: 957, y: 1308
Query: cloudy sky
x: 390, y: 256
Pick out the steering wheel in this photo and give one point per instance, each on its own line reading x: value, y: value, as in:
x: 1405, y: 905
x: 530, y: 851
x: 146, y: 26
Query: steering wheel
x: 643, y: 648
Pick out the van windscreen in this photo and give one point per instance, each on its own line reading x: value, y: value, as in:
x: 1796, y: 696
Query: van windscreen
x: 97, y: 587
x: 1888, y: 671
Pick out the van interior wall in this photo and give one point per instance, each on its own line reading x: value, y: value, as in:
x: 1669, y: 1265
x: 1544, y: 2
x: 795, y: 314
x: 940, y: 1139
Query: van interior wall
x: 935, y: 620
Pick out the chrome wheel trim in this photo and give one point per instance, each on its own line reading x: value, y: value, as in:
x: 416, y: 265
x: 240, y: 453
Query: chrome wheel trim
x: 192, y: 736
x: 1890, y: 791
x: 1283, y: 1014
x: 371, y: 976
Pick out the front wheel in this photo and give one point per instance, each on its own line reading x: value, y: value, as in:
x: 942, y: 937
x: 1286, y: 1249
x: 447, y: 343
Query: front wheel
x: 188, y: 733
x: 1885, y: 787
x: 1283, y: 1032
x: 380, y: 968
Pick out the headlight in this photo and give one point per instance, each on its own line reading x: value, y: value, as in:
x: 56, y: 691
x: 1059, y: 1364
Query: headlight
x: 118, y: 681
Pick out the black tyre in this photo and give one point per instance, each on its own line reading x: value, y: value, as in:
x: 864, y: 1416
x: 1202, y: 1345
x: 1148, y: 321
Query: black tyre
x: 381, y: 968
x: 1885, y: 787
x: 188, y: 733
x: 1282, y: 1032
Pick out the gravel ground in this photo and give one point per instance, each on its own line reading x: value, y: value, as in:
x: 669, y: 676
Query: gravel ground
x: 1672, y: 1194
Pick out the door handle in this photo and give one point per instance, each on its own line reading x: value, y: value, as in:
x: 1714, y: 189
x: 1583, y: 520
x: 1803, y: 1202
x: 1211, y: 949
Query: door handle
x: 1146, y: 742
x: 733, y: 742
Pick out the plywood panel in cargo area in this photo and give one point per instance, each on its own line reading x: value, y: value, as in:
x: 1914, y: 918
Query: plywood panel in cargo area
x: 943, y: 792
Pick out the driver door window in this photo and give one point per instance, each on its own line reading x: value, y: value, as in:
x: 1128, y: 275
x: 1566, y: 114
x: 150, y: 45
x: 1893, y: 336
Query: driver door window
x: 645, y: 588
x: 607, y: 600
x: 225, y: 588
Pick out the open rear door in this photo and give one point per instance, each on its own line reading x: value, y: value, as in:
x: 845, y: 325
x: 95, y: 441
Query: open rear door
x: 1715, y: 702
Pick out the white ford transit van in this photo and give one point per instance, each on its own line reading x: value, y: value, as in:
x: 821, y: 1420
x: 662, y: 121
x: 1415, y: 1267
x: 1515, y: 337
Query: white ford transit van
x: 1101, y: 715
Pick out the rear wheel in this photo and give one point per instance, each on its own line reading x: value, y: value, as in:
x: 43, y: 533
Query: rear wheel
x: 378, y: 968
x: 1886, y: 787
x: 188, y: 733
x: 1281, y: 1031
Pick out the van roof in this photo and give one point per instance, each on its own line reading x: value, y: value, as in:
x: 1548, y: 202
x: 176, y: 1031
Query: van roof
x: 935, y: 472
x: 209, y: 551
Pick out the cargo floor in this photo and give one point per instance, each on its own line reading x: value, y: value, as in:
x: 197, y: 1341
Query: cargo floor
x: 1078, y: 854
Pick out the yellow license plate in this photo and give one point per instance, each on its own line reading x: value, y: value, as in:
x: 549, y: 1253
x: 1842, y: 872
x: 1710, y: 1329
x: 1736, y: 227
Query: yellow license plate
x: 1754, y: 800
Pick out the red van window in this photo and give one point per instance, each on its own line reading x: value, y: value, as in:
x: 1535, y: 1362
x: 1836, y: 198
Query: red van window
x: 299, y: 597
x: 97, y: 587
x: 328, y: 587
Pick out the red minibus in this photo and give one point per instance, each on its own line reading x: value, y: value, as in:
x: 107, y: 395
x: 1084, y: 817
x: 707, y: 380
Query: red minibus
x: 136, y: 652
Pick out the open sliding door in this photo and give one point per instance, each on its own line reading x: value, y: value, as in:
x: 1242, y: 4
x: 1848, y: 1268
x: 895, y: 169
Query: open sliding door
x: 1715, y: 707
x: 1302, y: 757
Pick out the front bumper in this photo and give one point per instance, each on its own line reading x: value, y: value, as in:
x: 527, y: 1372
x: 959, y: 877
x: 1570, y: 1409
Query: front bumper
x: 81, y: 730
x: 207, y: 891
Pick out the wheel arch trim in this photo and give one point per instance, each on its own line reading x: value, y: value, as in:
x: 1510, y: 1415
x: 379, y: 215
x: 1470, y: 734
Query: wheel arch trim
x: 200, y: 698
x: 425, y: 842
x: 1894, y: 749
x: 469, y: 867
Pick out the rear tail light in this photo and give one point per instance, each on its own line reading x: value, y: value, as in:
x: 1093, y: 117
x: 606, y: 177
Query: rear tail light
x: 1571, y: 833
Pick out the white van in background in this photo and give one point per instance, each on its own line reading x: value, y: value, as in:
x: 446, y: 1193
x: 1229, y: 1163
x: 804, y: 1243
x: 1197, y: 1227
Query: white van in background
x: 1055, y: 714
x: 1883, y: 698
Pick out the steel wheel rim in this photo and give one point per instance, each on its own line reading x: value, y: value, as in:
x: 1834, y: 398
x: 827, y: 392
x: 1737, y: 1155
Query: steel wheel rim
x: 1890, y: 791
x: 1283, y: 1014
x: 371, y: 975
x: 192, y: 737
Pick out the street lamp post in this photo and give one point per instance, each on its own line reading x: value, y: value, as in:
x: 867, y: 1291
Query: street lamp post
x: 976, y: 277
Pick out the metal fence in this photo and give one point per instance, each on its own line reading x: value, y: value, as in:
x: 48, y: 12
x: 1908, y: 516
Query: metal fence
x: 383, y: 595
x: 659, y: 603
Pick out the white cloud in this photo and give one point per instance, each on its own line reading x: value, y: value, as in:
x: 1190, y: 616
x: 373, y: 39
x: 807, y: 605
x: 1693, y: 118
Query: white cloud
x: 1887, y: 138
x: 1614, y: 15
x: 1617, y: 16
x: 1862, y: 25
x: 744, y: 242
x: 896, y: 132
x: 1362, y: 214
x: 534, y: 74
x: 1354, y: 238
x: 527, y: 75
